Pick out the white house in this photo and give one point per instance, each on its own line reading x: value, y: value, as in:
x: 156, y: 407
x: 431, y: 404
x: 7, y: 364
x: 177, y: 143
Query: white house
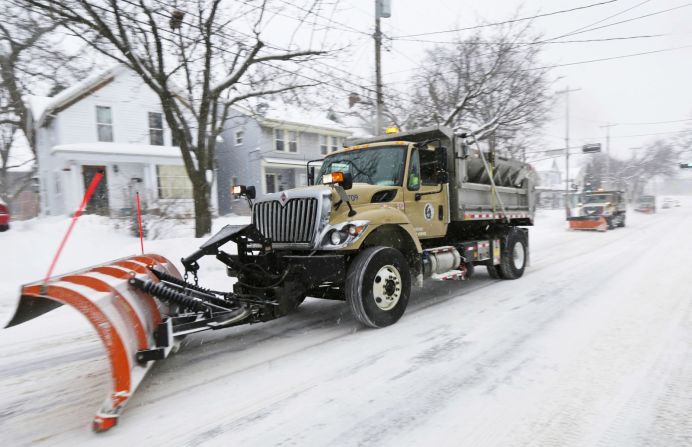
x: 110, y: 122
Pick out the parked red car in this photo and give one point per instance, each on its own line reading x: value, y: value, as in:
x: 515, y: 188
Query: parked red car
x: 4, y: 216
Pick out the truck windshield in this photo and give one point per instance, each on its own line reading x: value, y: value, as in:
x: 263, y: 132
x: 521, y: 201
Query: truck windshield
x: 376, y: 166
x: 597, y: 198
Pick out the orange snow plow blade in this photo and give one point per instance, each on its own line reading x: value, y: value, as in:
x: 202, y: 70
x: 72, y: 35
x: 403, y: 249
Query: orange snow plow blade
x: 127, y: 320
x: 588, y: 223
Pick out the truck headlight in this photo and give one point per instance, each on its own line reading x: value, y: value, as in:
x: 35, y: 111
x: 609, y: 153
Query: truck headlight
x: 337, y: 237
x: 343, y: 234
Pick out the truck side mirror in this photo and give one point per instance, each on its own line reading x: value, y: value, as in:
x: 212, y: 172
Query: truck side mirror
x: 311, y: 175
x: 441, y: 157
x: 442, y: 177
x: 441, y: 160
x: 250, y: 192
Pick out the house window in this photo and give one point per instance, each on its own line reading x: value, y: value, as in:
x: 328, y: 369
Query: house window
x: 155, y: 129
x: 239, y: 134
x: 324, y: 144
x: 279, y: 142
x: 104, y: 123
x: 335, y: 144
x: 173, y: 182
x: 292, y: 141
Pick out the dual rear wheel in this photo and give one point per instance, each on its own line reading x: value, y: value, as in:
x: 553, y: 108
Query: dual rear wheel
x: 513, y: 257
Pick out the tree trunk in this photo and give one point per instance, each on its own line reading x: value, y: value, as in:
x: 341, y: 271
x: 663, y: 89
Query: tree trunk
x: 201, y: 193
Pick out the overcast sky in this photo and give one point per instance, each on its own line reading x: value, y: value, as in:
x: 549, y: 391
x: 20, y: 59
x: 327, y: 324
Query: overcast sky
x: 640, y: 89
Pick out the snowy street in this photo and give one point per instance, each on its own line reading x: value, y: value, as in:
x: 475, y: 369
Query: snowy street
x: 592, y: 347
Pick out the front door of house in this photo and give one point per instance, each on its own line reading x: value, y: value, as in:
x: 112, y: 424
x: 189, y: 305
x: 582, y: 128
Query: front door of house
x: 99, y: 201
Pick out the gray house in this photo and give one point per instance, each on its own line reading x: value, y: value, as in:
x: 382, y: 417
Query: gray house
x: 270, y: 148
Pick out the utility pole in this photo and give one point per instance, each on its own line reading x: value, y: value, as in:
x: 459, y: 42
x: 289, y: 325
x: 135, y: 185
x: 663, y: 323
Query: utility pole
x: 607, y: 176
x: 566, y: 92
x: 382, y: 10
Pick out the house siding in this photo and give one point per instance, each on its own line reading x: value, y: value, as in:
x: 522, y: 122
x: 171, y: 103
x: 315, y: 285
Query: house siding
x: 245, y: 161
x: 130, y: 101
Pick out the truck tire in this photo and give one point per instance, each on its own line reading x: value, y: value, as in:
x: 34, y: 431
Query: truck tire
x: 621, y: 224
x: 513, y: 256
x: 609, y: 221
x: 378, y: 285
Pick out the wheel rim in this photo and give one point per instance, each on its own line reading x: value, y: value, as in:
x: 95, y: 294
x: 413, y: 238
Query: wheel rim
x: 518, y: 256
x: 386, y: 287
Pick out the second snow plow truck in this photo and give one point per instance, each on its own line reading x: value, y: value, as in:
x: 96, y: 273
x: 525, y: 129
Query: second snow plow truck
x: 379, y: 217
x: 599, y: 210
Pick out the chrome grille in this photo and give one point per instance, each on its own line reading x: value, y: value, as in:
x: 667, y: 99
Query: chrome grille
x: 293, y: 223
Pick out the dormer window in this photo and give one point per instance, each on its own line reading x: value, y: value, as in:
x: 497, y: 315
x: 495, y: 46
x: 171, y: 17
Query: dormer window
x: 155, y: 129
x: 104, y: 123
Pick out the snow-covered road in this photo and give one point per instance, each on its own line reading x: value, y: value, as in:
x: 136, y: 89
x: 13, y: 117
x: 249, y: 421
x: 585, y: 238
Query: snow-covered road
x: 592, y: 347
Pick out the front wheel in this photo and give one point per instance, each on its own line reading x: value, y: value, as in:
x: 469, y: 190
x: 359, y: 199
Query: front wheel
x: 378, y: 285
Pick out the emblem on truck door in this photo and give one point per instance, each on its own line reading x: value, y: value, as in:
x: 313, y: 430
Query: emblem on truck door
x: 428, y: 211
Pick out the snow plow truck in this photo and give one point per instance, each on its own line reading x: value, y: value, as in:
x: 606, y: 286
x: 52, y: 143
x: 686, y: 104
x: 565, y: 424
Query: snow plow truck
x: 599, y: 210
x: 377, y: 218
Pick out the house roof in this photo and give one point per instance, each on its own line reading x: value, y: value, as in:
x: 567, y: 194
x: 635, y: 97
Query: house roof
x: 41, y: 106
x: 281, y: 114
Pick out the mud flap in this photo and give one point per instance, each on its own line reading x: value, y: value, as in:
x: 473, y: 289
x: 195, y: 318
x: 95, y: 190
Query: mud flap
x: 125, y: 319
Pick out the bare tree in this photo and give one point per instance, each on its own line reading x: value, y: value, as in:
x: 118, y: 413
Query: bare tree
x: 656, y: 159
x: 32, y: 61
x: 192, y: 54
x: 491, y: 87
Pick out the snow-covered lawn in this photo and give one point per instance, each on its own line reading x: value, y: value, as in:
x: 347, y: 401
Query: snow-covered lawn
x: 593, y: 346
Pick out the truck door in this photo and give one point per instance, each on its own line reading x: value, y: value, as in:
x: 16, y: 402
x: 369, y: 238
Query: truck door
x: 425, y: 199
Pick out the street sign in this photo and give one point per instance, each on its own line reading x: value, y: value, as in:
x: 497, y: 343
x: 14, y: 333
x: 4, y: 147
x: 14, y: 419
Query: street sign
x: 591, y: 148
x: 685, y: 165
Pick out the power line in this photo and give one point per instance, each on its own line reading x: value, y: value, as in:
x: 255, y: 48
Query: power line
x: 567, y: 64
x: 622, y: 21
x: 579, y: 30
x: 521, y: 19
x: 602, y: 20
x: 655, y: 122
x: 538, y: 42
